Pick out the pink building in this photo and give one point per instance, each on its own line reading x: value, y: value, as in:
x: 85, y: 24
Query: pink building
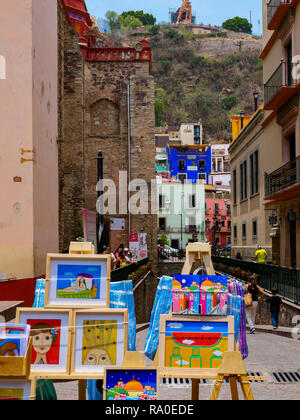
x: 28, y: 140
x: 218, y: 209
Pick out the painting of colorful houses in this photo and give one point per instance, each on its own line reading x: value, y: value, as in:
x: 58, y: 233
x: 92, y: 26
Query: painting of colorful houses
x: 199, y: 295
x: 131, y: 384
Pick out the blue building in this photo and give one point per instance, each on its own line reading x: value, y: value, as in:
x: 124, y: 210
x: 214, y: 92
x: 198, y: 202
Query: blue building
x: 190, y: 163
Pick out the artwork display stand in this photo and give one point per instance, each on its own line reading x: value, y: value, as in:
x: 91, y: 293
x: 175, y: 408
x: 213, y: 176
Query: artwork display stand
x: 232, y: 367
x: 199, y: 254
x: 85, y: 249
x: 18, y: 369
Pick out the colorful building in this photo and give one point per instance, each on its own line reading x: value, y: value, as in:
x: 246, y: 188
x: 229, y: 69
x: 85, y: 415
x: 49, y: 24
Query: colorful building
x: 190, y: 163
x: 218, y: 221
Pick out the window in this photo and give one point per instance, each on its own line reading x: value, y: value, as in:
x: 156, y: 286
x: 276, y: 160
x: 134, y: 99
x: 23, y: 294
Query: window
x: 229, y: 226
x: 217, y: 209
x: 254, y: 228
x: 228, y: 208
x: 192, y: 224
x: 162, y: 224
x: 182, y: 178
x: 244, y: 231
x: 202, y: 177
x: 235, y: 232
x: 181, y: 165
x: 162, y: 201
x: 234, y: 187
x: 192, y: 201
x: 244, y: 180
x: 202, y: 165
x: 254, y: 175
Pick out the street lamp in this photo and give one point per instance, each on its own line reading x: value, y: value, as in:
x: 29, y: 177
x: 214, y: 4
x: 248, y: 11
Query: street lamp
x: 242, y: 115
x: 255, y: 95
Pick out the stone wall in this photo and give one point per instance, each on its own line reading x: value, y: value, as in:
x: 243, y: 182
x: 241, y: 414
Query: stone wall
x: 93, y: 117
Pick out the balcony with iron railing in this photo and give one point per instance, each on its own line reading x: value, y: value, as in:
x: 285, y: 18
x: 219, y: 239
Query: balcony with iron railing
x: 276, y: 11
x: 281, y: 86
x: 284, y: 183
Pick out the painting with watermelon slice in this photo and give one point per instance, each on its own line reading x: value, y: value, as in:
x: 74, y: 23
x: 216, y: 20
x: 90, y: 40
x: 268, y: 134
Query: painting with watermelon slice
x: 195, y: 344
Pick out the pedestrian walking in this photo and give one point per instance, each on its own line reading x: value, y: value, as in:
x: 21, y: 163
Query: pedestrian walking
x: 261, y: 255
x: 254, y: 291
x: 275, y: 306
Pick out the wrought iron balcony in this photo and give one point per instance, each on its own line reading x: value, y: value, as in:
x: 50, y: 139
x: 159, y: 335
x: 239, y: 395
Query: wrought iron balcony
x: 280, y: 87
x: 283, y: 178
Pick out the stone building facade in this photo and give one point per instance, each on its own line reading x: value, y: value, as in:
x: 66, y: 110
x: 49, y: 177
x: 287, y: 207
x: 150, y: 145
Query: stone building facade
x: 107, y: 103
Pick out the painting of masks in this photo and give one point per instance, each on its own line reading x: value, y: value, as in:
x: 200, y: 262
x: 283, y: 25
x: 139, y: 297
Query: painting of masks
x: 99, y: 343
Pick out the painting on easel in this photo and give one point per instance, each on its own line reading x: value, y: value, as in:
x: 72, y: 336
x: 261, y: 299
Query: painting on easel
x: 199, y: 343
x: 131, y: 384
x: 199, y: 295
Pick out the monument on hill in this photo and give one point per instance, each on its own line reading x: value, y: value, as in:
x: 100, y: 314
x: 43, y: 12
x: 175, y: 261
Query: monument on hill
x: 185, y: 13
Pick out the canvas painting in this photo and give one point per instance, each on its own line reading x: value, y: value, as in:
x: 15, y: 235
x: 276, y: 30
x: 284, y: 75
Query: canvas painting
x: 199, y: 295
x: 14, y: 390
x: 50, y: 331
x: 100, y: 340
x: 195, y: 344
x: 77, y: 280
x: 131, y: 384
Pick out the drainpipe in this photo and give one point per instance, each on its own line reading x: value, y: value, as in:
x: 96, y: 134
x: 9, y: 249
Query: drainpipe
x: 129, y: 155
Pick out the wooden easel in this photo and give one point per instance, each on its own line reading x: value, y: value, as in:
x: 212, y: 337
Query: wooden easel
x: 199, y: 254
x: 233, y: 369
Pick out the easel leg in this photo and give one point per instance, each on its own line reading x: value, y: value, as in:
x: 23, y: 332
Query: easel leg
x: 82, y: 390
x: 246, y: 388
x: 217, y: 387
x: 195, y: 389
x: 234, y: 388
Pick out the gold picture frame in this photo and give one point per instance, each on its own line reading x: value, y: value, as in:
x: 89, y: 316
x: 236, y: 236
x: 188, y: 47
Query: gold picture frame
x: 99, y: 340
x: 192, y: 348
x: 49, y: 321
x: 77, y: 281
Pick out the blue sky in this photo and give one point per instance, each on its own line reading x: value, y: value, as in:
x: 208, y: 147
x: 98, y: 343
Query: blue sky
x: 207, y: 11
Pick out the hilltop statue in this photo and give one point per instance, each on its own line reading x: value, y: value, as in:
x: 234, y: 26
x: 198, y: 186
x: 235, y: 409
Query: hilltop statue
x: 185, y: 13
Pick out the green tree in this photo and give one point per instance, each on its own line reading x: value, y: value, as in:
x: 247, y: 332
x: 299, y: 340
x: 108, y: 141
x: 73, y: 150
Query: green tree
x: 129, y: 22
x: 112, y: 18
x: 145, y: 18
x: 229, y: 102
x: 163, y: 240
x: 154, y: 30
x: 238, y: 24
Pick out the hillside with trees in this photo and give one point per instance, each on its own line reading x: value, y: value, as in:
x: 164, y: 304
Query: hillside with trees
x: 207, y: 76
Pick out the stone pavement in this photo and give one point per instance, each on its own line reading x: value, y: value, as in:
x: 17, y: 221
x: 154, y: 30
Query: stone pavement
x: 268, y: 353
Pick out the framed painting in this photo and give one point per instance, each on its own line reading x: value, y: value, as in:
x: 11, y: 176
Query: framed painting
x: 77, y: 281
x: 200, y: 295
x: 194, y: 343
x: 130, y: 384
x: 50, y: 330
x: 100, y: 340
x: 16, y: 390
